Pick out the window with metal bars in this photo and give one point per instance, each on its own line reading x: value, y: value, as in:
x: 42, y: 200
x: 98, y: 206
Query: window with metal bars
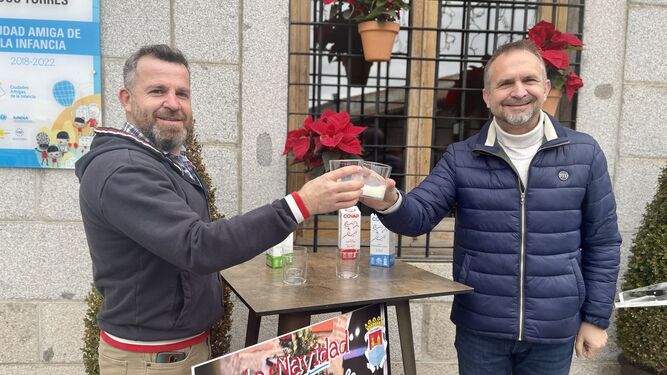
x: 426, y: 97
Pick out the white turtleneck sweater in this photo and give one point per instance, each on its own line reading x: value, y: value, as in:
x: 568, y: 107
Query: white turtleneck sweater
x: 521, y: 148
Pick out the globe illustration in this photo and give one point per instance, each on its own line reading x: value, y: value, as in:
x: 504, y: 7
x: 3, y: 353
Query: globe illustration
x: 63, y: 92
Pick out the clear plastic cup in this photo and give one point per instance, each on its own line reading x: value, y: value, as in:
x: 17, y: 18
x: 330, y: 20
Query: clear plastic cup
x: 347, y: 263
x: 375, y: 183
x: 335, y: 164
x: 295, y: 266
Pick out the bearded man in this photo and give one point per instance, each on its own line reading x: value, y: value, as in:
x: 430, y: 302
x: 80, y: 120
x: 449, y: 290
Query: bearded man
x: 156, y: 254
x: 536, y: 231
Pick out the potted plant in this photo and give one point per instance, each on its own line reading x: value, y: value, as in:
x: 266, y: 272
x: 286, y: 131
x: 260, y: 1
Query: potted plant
x: 554, y: 47
x: 377, y: 23
x: 331, y: 136
x: 642, y: 331
x: 340, y: 38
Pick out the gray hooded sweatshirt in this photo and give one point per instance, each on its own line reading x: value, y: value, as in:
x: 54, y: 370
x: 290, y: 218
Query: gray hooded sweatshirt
x: 156, y: 254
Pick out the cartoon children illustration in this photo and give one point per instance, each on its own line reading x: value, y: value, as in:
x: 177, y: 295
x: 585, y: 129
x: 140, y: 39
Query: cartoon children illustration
x: 42, y: 147
x: 62, y: 141
x: 54, y: 154
x: 79, y: 124
x: 85, y: 142
x: 93, y: 116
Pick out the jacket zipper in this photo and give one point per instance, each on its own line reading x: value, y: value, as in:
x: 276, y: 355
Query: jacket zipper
x: 522, y: 228
x: 522, y: 262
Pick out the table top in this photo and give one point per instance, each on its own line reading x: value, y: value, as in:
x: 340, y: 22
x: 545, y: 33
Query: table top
x: 262, y: 290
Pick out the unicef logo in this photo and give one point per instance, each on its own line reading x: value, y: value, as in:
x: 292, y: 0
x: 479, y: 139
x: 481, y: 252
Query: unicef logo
x: 3, y: 117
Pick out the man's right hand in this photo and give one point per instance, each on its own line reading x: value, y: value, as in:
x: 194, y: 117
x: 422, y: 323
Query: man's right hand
x: 390, y: 197
x: 327, y: 194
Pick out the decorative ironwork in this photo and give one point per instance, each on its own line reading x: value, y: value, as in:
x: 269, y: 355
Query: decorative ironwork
x: 426, y: 97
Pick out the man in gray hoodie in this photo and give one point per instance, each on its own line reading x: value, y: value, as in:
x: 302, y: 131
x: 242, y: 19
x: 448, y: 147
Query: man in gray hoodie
x: 156, y: 253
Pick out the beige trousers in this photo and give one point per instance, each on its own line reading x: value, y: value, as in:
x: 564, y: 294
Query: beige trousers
x: 114, y: 361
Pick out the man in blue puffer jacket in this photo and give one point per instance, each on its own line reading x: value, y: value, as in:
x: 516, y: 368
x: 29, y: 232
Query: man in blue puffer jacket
x: 536, y: 233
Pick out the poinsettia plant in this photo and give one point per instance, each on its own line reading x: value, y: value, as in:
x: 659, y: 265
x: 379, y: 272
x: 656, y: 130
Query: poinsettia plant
x: 369, y: 10
x: 554, y: 47
x: 331, y: 136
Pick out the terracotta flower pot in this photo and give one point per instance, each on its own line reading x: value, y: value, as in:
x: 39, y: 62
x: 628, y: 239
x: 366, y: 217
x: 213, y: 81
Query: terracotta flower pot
x: 378, y: 39
x: 550, y: 105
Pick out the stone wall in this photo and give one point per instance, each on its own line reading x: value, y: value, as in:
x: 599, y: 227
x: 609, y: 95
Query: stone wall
x: 238, y: 51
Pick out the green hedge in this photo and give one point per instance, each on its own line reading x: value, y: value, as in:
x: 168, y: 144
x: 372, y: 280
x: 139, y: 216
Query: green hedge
x: 642, y: 332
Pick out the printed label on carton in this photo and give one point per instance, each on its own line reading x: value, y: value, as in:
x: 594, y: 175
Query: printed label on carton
x: 382, y: 241
x: 349, y: 228
x: 348, y: 254
x: 274, y: 255
x: 382, y: 260
x: 274, y: 261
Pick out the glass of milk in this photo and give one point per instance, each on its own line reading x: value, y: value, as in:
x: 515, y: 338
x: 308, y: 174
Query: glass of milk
x: 374, y: 181
x: 335, y: 164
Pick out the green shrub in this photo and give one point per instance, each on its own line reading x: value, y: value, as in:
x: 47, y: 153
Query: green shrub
x: 220, y: 338
x: 642, y: 332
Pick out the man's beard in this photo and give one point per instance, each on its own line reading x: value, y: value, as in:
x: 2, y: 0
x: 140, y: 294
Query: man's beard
x: 165, y: 139
x: 520, y: 119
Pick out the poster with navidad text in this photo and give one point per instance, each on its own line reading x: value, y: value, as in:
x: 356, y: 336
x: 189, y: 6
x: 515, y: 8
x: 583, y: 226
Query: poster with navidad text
x: 50, y: 87
x: 354, y: 343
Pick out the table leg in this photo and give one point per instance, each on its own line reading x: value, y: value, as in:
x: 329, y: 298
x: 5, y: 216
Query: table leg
x: 252, y: 330
x: 292, y: 322
x: 405, y: 335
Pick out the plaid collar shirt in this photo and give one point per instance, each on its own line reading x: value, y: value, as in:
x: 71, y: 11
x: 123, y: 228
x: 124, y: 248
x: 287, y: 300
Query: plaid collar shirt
x: 181, y: 160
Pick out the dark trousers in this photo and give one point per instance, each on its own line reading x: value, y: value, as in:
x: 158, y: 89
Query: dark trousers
x: 483, y: 355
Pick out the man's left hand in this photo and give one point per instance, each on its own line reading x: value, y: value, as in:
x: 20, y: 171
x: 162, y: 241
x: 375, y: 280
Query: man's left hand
x: 590, y: 340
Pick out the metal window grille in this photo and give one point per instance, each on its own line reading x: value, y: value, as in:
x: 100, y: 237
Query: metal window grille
x: 426, y: 97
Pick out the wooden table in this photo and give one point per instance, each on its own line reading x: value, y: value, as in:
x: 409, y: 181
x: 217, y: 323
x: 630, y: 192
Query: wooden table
x: 261, y: 289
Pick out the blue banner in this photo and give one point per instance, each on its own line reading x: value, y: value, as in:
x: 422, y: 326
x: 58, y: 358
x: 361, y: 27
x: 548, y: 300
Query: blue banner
x: 50, y: 82
x: 43, y: 36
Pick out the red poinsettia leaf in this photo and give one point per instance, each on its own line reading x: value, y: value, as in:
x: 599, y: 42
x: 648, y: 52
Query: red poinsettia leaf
x: 319, y: 127
x: 541, y: 33
x: 538, y: 36
x: 354, y: 130
x: 572, y: 83
x: 351, y: 145
x: 308, y: 123
x: 301, y: 147
x: 337, y: 122
x: 293, y: 136
x: 557, y: 58
x: 565, y: 40
x: 301, y: 132
x: 331, y: 141
x: 327, y: 113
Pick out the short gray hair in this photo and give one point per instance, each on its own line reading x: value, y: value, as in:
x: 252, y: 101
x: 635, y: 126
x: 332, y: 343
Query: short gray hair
x: 159, y: 51
x: 521, y: 45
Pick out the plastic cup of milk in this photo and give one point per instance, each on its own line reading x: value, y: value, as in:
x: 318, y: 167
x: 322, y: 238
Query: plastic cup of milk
x: 375, y: 182
x: 335, y: 164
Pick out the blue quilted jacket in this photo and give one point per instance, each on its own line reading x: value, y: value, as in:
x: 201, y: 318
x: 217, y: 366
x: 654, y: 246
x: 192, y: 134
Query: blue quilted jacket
x: 541, y: 258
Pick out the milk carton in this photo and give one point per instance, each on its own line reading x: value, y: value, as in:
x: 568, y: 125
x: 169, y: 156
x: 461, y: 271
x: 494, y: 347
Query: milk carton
x: 274, y: 255
x: 383, y: 250
x: 349, y: 228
